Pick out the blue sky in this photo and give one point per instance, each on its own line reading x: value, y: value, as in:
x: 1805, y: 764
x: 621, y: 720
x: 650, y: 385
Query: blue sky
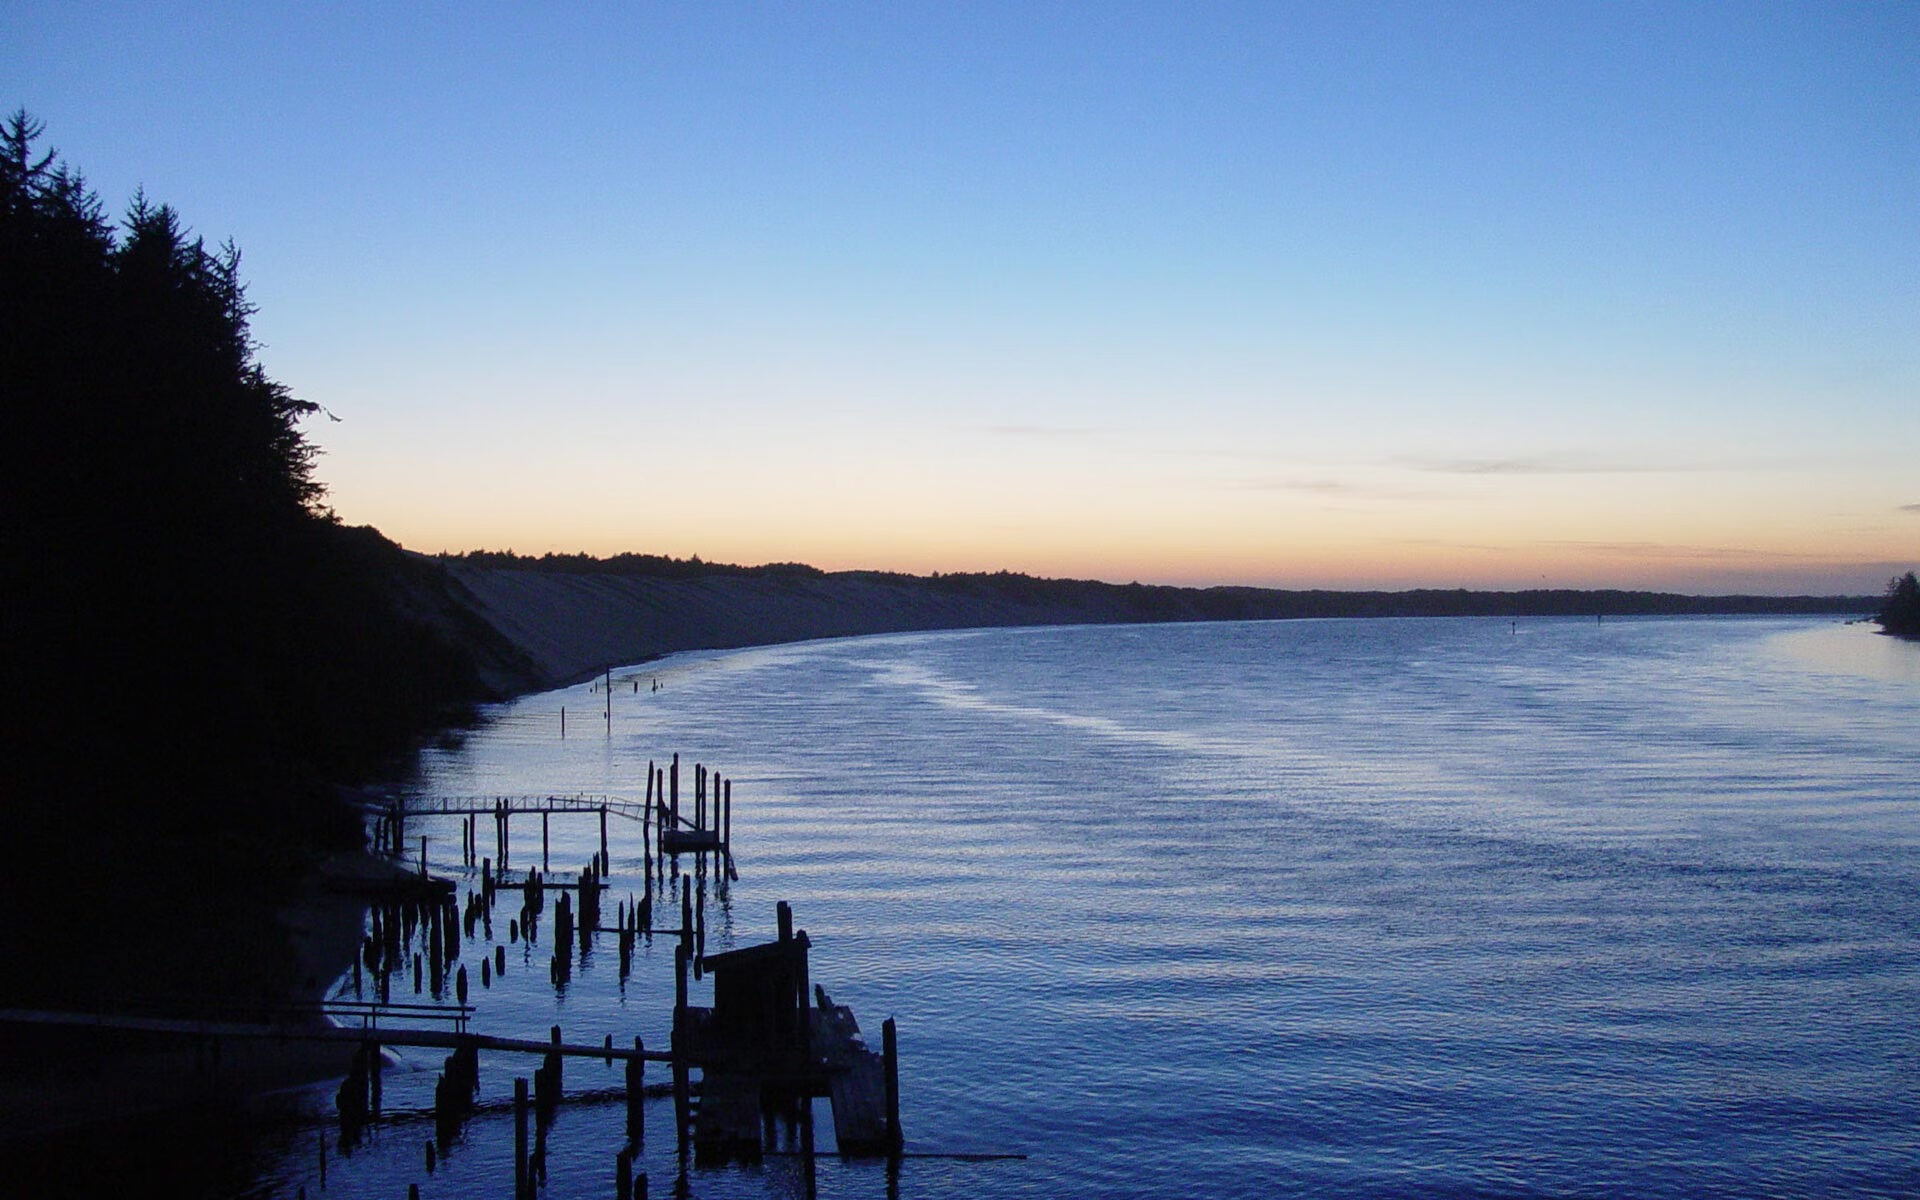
x: 1303, y: 295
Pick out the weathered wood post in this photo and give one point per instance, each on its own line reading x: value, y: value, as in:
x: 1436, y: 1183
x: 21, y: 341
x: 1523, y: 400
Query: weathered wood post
x: 673, y: 803
x: 637, y: 1095
x: 726, y: 822
x: 890, y: 1052
x: 603, y: 837
x: 544, y: 865
x: 623, y: 1175
x: 521, y: 1184
x: 423, y: 856
x: 682, y: 1096
x: 803, y: 997
x: 323, y: 1160
x: 784, y: 913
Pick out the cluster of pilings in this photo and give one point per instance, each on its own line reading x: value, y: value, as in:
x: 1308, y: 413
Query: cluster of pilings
x: 453, y: 1094
x: 672, y: 825
x: 358, y: 1097
x: 389, y: 946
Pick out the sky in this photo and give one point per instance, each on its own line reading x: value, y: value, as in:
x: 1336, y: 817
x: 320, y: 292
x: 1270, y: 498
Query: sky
x: 1289, y: 294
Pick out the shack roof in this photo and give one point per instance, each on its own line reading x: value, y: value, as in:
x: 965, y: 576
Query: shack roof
x: 765, y: 954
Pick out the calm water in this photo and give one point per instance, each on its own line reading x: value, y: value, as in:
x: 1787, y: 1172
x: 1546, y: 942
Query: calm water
x: 1439, y: 907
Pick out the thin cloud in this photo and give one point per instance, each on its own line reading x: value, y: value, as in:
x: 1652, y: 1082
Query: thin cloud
x: 1318, y: 487
x: 1548, y: 464
x: 1912, y: 508
x: 1047, y: 431
x: 1332, y: 488
x: 1666, y: 550
x: 1575, y: 462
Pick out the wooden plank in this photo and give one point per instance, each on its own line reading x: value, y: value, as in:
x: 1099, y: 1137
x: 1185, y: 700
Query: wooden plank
x: 859, y: 1098
x: 856, y: 1082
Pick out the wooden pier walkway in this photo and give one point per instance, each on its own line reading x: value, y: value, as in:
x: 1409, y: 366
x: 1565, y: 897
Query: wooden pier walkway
x: 308, y: 1030
x: 705, y: 828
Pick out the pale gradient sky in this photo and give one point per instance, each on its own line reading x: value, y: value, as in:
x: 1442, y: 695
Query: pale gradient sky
x: 1391, y: 295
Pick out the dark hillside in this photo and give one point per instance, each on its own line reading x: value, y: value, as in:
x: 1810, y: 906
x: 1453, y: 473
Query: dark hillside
x: 194, y: 647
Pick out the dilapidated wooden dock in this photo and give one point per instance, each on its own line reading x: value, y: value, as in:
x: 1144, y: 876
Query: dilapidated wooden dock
x: 765, y: 1047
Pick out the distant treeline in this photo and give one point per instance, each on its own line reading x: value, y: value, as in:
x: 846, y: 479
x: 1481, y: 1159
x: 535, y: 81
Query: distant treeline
x: 194, y: 647
x: 651, y: 566
x: 1161, y: 602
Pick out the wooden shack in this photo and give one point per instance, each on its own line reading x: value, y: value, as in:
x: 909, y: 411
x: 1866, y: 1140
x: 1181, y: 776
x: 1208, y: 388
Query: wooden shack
x: 764, y: 1045
x: 760, y: 1000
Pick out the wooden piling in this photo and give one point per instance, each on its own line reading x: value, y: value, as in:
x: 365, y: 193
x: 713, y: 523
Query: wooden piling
x: 890, y: 1052
x: 682, y: 1094
x: 686, y: 920
x: 636, y: 1096
x: 726, y: 821
x: 603, y: 837
x: 522, y: 1185
x: 803, y: 997
x: 544, y: 865
x: 623, y: 1175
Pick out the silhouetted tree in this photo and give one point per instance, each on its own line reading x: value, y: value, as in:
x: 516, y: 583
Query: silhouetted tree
x: 193, y: 644
x: 1901, y: 613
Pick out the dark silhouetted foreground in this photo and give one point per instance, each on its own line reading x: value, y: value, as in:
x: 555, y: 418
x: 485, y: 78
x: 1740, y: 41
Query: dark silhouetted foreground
x: 194, y: 646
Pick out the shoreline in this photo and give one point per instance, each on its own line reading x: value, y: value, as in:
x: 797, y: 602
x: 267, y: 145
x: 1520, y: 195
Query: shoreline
x: 81, y: 1078
x: 565, y: 627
